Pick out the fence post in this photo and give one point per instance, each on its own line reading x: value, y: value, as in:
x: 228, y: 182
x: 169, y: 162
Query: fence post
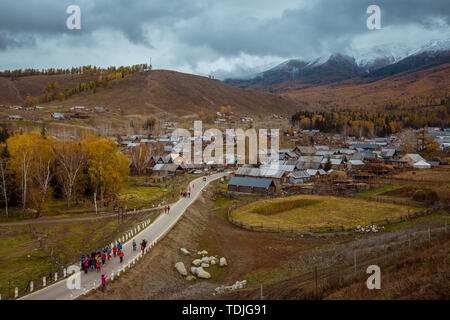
x: 316, y: 282
x: 409, y: 240
x: 445, y: 224
x: 261, y: 292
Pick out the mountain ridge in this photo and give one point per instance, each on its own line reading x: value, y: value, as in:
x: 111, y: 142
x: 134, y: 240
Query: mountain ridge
x: 295, y: 74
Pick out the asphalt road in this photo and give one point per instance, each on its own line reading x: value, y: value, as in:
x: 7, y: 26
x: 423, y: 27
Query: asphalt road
x: 153, y: 233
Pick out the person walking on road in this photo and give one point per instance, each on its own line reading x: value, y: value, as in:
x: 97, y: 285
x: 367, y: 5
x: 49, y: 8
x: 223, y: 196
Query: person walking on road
x: 134, y: 245
x: 168, y: 209
x: 104, y: 277
x: 165, y: 209
x: 121, y: 256
x: 115, y: 250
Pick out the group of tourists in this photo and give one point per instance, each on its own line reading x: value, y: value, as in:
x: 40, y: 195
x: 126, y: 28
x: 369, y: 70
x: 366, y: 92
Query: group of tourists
x: 95, y: 260
x: 167, y: 209
x: 186, y: 194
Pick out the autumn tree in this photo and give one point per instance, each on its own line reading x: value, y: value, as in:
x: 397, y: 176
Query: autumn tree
x: 42, y: 166
x: 107, y: 167
x: 408, y: 141
x: 71, y: 159
x: 201, y: 115
x: 20, y: 147
x: 141, y: 155
x: 4, y: 175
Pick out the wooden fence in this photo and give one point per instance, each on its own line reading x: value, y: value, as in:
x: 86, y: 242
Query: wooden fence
x: 316, y: 231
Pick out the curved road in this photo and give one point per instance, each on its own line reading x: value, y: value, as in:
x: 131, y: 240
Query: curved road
x: 153, y: 233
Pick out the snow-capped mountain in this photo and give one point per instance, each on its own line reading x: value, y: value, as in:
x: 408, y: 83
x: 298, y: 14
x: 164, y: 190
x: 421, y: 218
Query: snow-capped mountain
x: 374, y: 62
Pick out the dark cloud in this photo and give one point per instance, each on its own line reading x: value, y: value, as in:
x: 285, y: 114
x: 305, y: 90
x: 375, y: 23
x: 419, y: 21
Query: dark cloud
x: 195, y: 33
x: 7, y: 41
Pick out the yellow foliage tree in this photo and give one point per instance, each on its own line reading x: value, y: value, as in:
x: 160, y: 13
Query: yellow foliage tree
x: 42, y: 167
x: 107, y: 167
x: 20, y: 147
x: 71, y: 159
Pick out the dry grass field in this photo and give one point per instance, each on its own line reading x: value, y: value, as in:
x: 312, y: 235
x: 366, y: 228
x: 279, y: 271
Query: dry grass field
x: 302, y: 211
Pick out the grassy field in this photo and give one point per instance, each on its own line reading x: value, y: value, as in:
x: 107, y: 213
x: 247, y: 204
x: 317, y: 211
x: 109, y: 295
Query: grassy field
x: 23, y: 257
x: 130, y: 196
x: 302, y: 211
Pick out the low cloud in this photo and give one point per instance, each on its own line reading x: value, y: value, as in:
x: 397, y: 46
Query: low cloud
x: 207, y: 36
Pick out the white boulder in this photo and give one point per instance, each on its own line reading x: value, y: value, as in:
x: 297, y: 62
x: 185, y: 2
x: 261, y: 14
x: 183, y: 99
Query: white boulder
x: 190, y: 278
x: 202, y: 274
x: 185, y: 251
x: 223, y: 262
x: 181, y: 268
x: 205, y: 265
x: 197, y: 262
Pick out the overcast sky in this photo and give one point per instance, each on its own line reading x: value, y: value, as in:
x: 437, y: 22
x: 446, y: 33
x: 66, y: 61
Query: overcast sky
x: 224, y: 38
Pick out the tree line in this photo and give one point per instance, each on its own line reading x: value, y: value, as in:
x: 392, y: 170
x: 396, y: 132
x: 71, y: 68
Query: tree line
x: 89, y: 70
x: 372, y: 123
x: 36, y: 167
x: 99, y: 78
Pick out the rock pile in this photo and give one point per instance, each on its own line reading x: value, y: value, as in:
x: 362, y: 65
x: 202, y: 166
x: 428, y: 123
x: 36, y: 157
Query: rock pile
x: 200, y: 264
x: 235, y: 286
x: 367, y: 229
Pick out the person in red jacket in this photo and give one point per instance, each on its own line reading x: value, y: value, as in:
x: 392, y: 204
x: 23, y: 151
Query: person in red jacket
x: 114, y: 250
x: 99, y: 265
x: 121, y: 256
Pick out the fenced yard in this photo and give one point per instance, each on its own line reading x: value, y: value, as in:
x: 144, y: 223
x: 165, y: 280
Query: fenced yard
x: 305, y: 215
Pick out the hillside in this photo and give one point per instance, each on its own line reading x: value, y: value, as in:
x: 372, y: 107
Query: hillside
x: 156, y: 92
x: 405, y: 88
x: 383, y: 77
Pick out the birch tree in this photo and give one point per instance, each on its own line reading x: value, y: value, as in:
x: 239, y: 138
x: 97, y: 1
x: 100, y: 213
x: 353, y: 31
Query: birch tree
x: 140, y: 157
x: 20, y: 147
x: 4, y: 176
x: 71, y: 159
x: 42, y: 166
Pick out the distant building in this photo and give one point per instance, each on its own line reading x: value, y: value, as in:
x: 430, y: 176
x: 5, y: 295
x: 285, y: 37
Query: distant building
x: 58, y: 116
x: 412, y: 158
x: 15, y: 117
x: 251, y: 185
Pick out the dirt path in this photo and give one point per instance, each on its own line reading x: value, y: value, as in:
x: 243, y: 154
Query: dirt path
x: 64, y: 220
